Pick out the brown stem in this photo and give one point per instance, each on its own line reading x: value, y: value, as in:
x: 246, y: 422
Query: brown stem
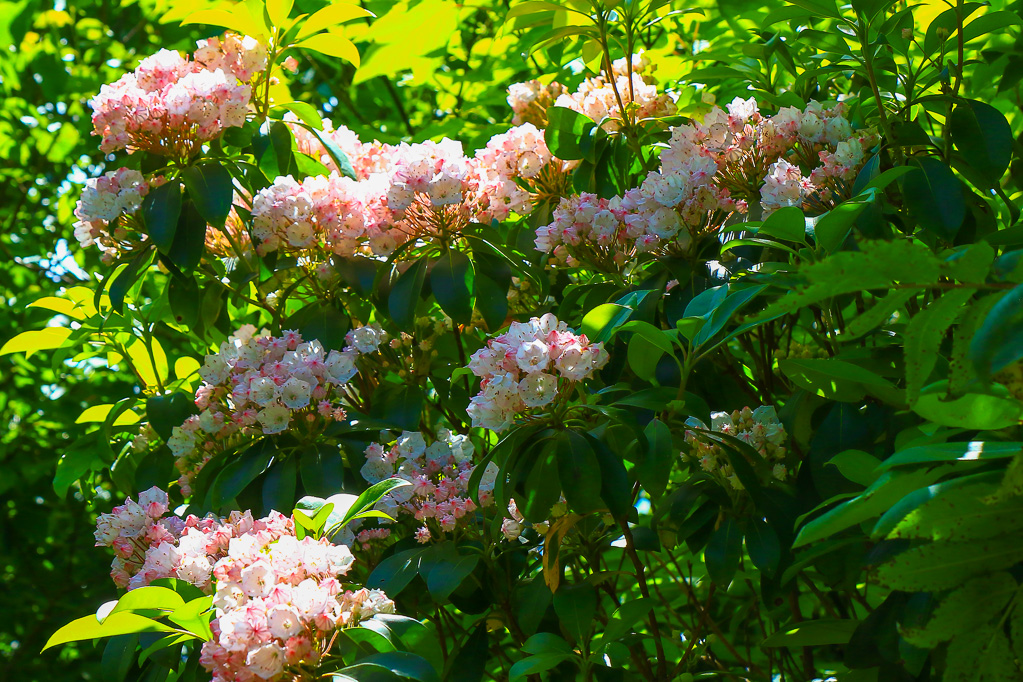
x: 630, y: 549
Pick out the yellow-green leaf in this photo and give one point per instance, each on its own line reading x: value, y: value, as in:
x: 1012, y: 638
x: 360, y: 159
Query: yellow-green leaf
x: 98, y: 413
x: 59, y: 305
x: 278, y: 10
x: 36, y: 340
x: 332, y: 44
x: 235, y: 19
x: 87, y: 627
x: 331, y: 15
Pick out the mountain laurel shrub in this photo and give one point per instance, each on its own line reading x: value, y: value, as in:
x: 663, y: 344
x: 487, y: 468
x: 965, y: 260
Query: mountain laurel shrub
x: 641, y: 387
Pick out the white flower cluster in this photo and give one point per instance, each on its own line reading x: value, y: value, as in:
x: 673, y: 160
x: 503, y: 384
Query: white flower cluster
x: 260, y: 383
x: 527, y: 367
x: 278, y: 602
x: 439, y: 475
x: 515, y: 166
x: 759, y: 428
x: 168, y: 106
x: 232, y: 53
x: 103, y: 202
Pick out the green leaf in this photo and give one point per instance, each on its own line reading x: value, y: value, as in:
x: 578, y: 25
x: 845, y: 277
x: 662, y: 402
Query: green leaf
x: 322, y: 321
x: 340, y: 159
x: 189, y: 238
x: 444, y: 569
x: 625, y: 616
x: 533, y: 665
x: 87, y: 627
x: 160, y: 211
x: 279, y: 485
x: 491, y: 301
x: 395, y: 572
x: 787, y: 223
x: 451, y: 280
x: 358, y: 272
x: 972, y: 411
x: 983, y: 137
x: 857, y: 466
x: 971, y: 451
x: 660, y: 454
x: 278, y: 156
x: 36, y: 340
x: 404, y: 296
x: 332, y: 44
x: 331, y: 15
x: 469, y: 664
x: 615, y: 485
x: 943, y: 565
x: 833, y: 227
x: 999, y: 341
x: 242, y: 471
x: 369, y: 498
x: 576, y: 606
x: 763, y: 546
x: 820, y: 632
x: 832, y: 378
x: 601, y: 322
x: 167, y: 411
x: 880, y: 313
x: 211, y: 189
x: 405, y: 665
x: 934, y: 196
x: 578, y: 472
x: 322, y: 470
x: 960, y: 510
x: 278, y: 11
x: 126, y: 278
x: 565, y: 132
x: 888, y: 489
x: 723, y: 552
x: 923, y: 337
x: 150, y: 597
x: 969, y: 606
x: 542, y: 489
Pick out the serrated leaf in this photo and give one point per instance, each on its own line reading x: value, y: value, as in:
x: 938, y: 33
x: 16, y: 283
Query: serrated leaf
x: 969, y: 606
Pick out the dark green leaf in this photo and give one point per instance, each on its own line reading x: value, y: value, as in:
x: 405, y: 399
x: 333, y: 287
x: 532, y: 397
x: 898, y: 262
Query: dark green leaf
x: 578, y: 472
x: 934, y: 196
x: 566, y: 131
x: 211, y: 189
x: 451, y: 279
x: 160, y: 211
x: 724, y: 552
x: 576, y: 606
x: 404, y: 296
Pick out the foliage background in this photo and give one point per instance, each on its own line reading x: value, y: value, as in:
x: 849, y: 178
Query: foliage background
x: 430, y: 68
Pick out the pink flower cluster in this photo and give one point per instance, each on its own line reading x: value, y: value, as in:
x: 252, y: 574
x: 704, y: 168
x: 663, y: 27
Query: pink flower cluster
x: 321, y: 215
x: 232, y: 53
x: 514, y: 524
x: 277, y: 599
x: 170, y: 105
x: 408, y: 192
x: 528, y: 367
x: 262, y: 384
x: 759, y: 428
x: 709, y: 172
x: 516, y: 167
x: 149, y: 545
x: 439, y: 476
x: 595, y: 97
x: 104, y: 201
x: 367, y: 158
x: 278, y: 602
